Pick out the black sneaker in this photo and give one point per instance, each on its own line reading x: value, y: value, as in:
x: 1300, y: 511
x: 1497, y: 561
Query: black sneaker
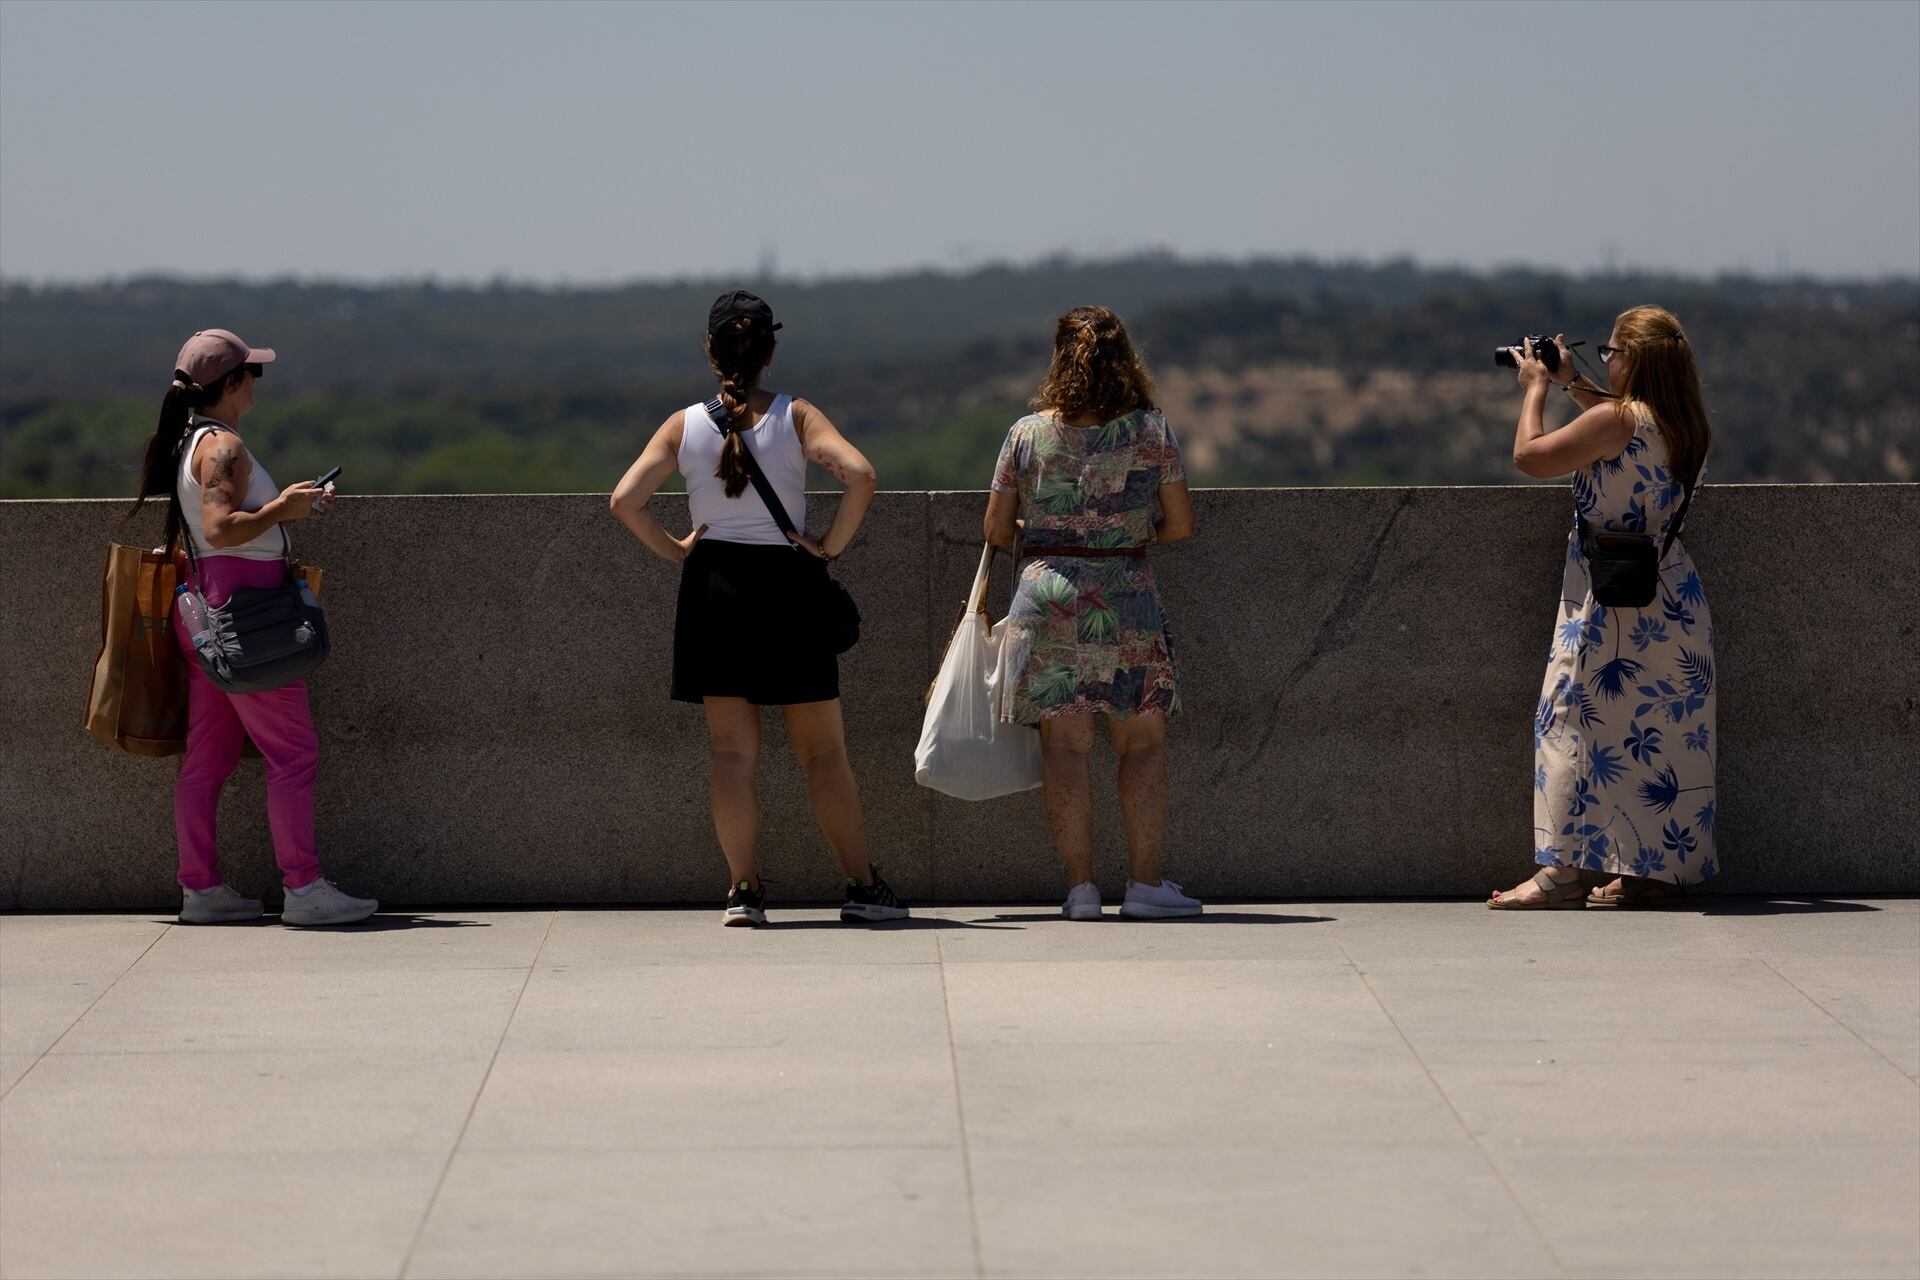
x: 746, y: 905
x: 870, y: 903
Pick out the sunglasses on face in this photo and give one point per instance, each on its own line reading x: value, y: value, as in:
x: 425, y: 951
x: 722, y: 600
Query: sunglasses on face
x: 257, y: 370
x: 1608, y: 353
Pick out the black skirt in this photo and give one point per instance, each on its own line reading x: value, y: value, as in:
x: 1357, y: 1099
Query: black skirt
x: 744, y: 628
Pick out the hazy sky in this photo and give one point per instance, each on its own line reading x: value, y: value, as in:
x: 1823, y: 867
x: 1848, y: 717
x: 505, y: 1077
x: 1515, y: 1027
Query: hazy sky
x: 598, y: 141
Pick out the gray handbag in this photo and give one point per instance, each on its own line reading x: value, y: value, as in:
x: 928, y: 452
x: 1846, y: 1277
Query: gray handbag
x: 263, y: 637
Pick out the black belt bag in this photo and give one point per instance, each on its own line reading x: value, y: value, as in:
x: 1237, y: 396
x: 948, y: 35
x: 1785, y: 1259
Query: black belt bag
x: 838, y: 616
x: 1625, y: 567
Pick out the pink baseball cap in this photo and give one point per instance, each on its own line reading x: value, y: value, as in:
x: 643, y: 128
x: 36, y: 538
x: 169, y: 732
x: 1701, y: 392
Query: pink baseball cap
x: 212, y: 354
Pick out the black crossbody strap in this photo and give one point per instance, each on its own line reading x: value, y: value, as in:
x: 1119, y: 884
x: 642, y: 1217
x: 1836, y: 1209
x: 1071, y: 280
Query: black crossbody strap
x: 179, y: 511
x: 186, y: 532
x: 717, y: 410
x: 1673, y: 526
x: 1680, y: 516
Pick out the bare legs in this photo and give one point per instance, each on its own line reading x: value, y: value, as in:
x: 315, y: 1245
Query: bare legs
x: 1140, y: 741
x: 820, y: 745
x: 733, y: 758
x: 1065, y: 742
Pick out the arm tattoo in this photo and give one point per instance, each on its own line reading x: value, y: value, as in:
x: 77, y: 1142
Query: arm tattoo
x: 220, y: 471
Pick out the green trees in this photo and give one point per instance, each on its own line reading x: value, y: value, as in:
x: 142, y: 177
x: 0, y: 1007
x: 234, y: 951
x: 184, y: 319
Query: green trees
x: 423, y: 388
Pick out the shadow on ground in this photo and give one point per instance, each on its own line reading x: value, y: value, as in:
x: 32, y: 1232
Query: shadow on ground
x: 884, y: 926
x: 1782, y: 906
x: 1211, y: 917
x: 380, y: 922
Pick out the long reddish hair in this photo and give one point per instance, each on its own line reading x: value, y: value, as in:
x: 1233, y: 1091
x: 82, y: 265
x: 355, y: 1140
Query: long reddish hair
x: 1661, y: 375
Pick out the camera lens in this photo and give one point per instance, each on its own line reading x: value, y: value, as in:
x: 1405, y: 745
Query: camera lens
x: 1545, y: 349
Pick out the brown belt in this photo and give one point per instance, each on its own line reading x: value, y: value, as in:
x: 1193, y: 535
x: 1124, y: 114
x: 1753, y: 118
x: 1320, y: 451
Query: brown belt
x: 1042, y: 553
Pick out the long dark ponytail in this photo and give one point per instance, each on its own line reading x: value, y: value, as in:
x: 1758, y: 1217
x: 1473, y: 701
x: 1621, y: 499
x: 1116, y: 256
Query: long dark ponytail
x: 738, y: 350
x: 161, y: 473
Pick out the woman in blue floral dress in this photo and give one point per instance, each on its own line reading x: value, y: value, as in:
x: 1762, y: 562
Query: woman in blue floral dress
x: 1624, y: 745
x: 1083, y: 488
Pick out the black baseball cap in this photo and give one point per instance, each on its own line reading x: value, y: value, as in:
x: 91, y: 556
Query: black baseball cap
x: 734, y: 305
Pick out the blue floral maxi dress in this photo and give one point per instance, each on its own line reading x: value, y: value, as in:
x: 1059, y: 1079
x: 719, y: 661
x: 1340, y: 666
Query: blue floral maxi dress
x: 1087, y: 635
x: 1624, y: 734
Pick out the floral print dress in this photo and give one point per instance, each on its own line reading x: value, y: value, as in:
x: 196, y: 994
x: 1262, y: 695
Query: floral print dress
x: 1087, y: 635
x: 1624, y: 733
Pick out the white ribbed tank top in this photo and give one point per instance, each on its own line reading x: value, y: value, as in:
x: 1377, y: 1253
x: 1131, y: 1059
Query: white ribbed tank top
x: 261, y: 490
x: 776, y: 447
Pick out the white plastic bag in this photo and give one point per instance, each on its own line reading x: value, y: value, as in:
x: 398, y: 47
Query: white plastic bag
x: 966, y: 750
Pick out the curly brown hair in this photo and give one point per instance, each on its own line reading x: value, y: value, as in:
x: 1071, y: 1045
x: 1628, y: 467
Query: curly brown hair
x: 1097, y: 372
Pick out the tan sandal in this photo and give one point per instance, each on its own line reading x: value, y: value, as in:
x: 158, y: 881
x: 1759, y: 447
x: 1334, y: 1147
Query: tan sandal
x: 1555, y: 895
x: 1635, y: 894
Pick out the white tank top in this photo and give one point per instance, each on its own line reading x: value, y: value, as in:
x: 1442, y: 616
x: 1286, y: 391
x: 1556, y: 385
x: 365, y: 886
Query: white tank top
x: 261, y: 490
x: 776, y: 447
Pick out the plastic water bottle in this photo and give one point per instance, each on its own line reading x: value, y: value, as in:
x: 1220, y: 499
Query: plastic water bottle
x: 304, y: 633
x: 193, y: 611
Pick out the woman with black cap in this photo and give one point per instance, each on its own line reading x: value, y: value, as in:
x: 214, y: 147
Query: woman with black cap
x: 743, y: 636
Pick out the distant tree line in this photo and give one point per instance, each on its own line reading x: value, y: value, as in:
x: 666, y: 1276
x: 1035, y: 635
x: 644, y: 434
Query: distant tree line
x: 423, y: 388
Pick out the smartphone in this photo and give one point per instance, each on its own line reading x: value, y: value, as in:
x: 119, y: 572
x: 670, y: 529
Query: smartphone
x: 327, y: 479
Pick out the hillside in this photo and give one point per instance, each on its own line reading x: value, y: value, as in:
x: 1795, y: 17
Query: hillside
x: 1274, y: 372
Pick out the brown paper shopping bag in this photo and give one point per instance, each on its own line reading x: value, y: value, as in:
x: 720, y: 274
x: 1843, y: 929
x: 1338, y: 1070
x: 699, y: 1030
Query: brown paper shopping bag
x: 139, y: 697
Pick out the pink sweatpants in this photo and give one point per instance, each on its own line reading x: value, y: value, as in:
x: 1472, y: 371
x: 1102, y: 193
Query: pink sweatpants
x: 218, y: 725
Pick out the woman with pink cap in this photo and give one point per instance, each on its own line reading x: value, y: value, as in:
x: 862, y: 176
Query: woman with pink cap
x: 224, y: 500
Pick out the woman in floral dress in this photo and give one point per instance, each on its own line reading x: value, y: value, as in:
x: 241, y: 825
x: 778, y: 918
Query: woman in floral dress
x: 1624, y: 745
x: 1083, y: 488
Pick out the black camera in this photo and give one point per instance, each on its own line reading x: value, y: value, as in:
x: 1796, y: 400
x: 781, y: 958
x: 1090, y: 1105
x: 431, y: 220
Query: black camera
x: 1546, y: 348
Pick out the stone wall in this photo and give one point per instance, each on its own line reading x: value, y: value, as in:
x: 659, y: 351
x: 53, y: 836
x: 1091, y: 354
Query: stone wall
x: 1359, y: 669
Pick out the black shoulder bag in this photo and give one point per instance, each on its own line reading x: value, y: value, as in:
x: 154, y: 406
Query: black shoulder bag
x: 262, y: 637
x: 1625, y: 567
x: 838, y: 615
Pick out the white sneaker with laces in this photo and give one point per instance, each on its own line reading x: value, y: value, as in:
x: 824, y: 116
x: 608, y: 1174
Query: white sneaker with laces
x: 1162, y: 901
x: 1083, y: 902
x: 218, y: 905
x: 322, y: 903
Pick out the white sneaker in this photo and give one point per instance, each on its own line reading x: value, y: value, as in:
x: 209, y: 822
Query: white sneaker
x: 1157, y: 901
x: 218, y: 905
x: 1083, y: 902
x: 322, y: 903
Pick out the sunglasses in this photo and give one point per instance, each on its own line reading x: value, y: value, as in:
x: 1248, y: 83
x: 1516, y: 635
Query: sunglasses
x: 257, y: 370
x: 1608, y: 353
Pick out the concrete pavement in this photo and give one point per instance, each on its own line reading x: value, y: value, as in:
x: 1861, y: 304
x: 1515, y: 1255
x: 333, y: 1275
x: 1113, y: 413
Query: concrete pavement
x: 1334, y: 1089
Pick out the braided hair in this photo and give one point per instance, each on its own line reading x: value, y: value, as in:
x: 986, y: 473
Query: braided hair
x: 738, y: 352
